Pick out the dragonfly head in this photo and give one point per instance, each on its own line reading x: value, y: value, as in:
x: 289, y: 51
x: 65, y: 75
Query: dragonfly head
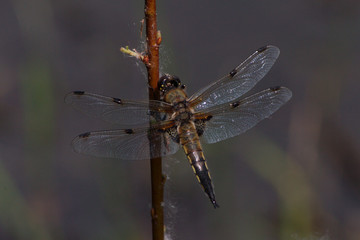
x: 168, y: 82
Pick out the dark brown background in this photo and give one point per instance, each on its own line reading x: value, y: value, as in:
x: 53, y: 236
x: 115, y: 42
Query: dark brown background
x: 295, y: 176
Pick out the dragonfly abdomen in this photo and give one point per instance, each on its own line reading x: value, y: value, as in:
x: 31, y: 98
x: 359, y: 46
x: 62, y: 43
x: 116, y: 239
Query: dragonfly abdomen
x: 189, y: 140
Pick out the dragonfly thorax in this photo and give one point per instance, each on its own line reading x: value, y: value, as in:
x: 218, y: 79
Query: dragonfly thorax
x: 182, y: 112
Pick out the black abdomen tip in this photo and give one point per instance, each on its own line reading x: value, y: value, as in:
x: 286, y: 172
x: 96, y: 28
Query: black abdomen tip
x: 215, y: 204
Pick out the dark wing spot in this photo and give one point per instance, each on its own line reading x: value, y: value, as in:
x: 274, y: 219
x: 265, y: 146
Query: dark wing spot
x: 233, y: 72
x: 129, y: 131
x: 208, y: 118
x: 78, y: 92
x: 234, y: 104
x: 262, y: 49
x: 200, y: 126
x: 173, y: 134
x: 277, y: 88
x: 161, y: 130
x: 117, y: 100
x: 84, y: 135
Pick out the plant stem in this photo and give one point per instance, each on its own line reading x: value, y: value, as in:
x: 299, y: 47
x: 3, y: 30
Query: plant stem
x: 157, y: 178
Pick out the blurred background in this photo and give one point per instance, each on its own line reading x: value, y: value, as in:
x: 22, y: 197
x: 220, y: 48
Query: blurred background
x: 294, y: 176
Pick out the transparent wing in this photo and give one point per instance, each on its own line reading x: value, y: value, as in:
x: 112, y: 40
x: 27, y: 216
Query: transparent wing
x: 127, y: 144
x: 116, y: 110
x: 238, y: 81
x: 231, y: 119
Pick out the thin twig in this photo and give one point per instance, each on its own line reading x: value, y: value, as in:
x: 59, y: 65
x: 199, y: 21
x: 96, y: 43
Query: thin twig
x: 136, y: 54
x: 151, y: 61
x: 157, y: 178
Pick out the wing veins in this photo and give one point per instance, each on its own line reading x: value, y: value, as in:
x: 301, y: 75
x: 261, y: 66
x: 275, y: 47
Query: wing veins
x: 117, y: 111
x: 239, y: 81
x: 227, y: 121
x: 129, y: 143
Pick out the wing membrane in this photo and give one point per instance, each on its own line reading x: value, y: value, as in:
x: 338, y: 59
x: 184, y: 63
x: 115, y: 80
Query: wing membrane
x: 127, y: 144
x: 115, y: 110
x: 238, y: 81
x: 231, y: 119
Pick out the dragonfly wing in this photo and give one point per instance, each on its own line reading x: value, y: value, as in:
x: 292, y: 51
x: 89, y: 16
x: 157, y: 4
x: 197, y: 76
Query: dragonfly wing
x: 231, y: 119
x: 127, y: 144
x: 239, y: 81
x: 115, y: 110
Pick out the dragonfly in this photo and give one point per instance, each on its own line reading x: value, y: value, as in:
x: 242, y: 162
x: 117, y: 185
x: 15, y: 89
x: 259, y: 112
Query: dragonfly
x: 157, y: 128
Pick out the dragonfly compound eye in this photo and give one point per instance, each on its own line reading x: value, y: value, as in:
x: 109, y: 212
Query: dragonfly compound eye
x: 168, y: 82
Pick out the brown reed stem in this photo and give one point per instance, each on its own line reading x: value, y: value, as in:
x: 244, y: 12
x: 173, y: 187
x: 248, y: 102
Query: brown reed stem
x: 157, y: 178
